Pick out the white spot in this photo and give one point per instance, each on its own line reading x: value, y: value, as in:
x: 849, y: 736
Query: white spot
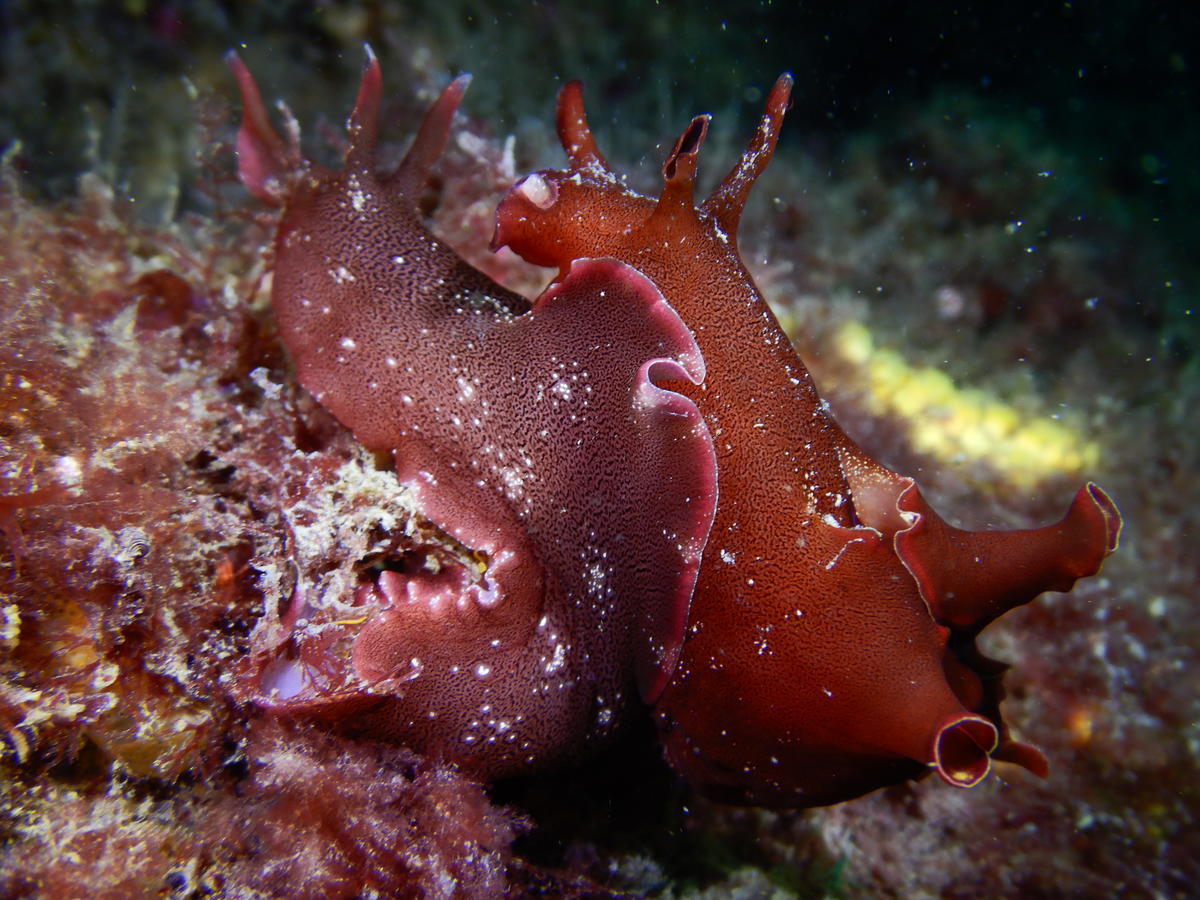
x: 513, y: 479
x: 595, y: 576
x: 69, y: 472
x: 556, y: 663
x: 538, y: 191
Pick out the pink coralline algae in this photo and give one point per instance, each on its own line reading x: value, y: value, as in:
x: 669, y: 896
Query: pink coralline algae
x: 151, y: 476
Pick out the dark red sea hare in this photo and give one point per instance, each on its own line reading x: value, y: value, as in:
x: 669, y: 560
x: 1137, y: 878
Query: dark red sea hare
x: 537, y: 438
x: 834, y: 607
x: 829, y: 644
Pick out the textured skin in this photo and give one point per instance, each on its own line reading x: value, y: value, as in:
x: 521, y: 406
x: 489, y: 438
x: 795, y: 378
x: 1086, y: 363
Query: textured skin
x: 536, y: 438
x: 830, y: 649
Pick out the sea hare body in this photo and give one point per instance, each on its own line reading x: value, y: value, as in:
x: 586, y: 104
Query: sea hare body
x: 535, y: 437
x: 802, y: 622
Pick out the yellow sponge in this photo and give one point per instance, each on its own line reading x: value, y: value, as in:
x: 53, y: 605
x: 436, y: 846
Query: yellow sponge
x: 963, y: 424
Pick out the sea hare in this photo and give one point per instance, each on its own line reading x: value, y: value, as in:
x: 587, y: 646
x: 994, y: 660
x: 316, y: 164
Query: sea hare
x: 656, y: 507
x: 537, y: 437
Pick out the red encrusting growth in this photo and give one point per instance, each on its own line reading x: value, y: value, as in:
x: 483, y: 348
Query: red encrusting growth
x: 830, y: 649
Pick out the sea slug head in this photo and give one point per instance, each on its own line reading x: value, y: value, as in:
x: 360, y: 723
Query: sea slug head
x: 553, y: 216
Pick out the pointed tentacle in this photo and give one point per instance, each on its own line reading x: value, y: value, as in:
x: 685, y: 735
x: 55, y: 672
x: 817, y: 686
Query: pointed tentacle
x: 576, y: 136
x: 431, y: 139
x: 962, y: 749
x: 970, y: 578
x: 729, y: 198
x: 363, y: 125
x: 264, y: 158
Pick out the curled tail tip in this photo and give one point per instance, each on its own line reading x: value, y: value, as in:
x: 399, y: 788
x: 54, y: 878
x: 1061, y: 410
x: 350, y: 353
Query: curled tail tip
x: 963, y: 747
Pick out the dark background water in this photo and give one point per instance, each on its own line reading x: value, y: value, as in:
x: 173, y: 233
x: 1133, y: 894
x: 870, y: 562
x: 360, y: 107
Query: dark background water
x: 1114, y: 85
